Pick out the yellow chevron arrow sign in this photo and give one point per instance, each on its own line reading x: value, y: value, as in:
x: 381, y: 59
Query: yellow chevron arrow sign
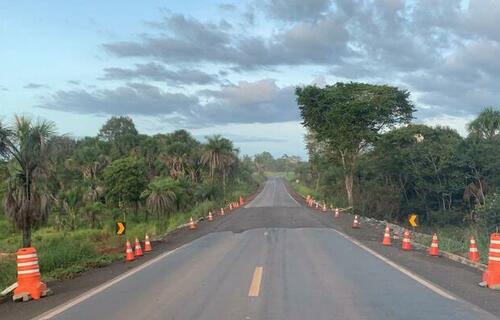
x: 120, y: 228
x: 413, y: 220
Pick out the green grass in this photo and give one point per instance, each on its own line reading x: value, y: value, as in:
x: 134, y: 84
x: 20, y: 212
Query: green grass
x: 455, y: 239
x: 7, y: 272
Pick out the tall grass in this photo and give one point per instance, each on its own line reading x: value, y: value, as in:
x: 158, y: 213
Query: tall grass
x: 456, y: 239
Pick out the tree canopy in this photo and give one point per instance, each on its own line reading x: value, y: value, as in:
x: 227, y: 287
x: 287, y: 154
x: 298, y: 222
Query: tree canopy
x: 349, y: 117
x: 89, y: 182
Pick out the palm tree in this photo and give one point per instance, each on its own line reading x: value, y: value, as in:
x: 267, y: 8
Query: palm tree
x: 219, y: 156
x: 487, y: 124
x: 161, y: 196
x: 176, y: 164
x: 27, y: 145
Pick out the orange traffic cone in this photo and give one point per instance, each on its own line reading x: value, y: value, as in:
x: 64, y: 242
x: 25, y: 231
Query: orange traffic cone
x: 29, y: 284
x: 473, y: 253
x: 242, y: 202
x: 355, y: 222
x: 406, y: 245
x: 337, y: 213
x: 230, y: 206
x: 192, y: 224
x: 387, y: 236
x: 138, y: 249
x: 492, y: 275
x: 147, y: 244
x: 434, y: 249
x: 323, y: 209
x: 222, y: 211
x: 317, y: 205
x: 210, y: 217
x: 129, y: 253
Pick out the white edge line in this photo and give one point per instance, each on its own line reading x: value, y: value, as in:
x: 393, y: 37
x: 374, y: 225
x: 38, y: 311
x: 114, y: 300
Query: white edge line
x: 88, y: 294
x: 410, y: 274
x: 291, y: 196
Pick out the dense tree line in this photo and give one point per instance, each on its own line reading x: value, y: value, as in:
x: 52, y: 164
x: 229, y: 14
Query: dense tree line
x: 265, y: 162
x: 364, y: 133
x: 119, y: 173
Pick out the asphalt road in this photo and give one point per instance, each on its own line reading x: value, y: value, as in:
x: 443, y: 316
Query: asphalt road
x: 272, y: 259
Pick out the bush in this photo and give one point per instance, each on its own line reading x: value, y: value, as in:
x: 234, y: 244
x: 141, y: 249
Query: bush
x: 489, y: 213
x: 64, y: 251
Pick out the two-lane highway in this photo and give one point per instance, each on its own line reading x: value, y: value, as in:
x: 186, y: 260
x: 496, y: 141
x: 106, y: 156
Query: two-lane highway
x: 270, y: 260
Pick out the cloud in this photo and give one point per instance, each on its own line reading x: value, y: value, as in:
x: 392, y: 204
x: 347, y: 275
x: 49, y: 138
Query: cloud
x: 187, y: 40
x: 463, y: 83
x: 133, y: 99
x: 295, y: 10
x: 227, y: 7
x: 246, y: 102
x: 445, y: 52
x: 157, y: 72
x: 35, y: 86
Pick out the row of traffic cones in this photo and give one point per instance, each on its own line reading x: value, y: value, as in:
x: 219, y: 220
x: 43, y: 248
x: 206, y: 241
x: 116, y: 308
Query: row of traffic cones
x: 491, y: 277
x: 192, y: 225
x: 131, y: 254
x: 406, y: 243
x: 434, y: 247
x: 311, y: 203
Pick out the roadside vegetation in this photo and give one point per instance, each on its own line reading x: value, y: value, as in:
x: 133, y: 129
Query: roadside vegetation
x: 63, y: 195
x: 366, y: 153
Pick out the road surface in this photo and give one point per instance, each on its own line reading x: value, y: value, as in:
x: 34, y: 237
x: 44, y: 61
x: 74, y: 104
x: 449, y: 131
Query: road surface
x: 271, y: 260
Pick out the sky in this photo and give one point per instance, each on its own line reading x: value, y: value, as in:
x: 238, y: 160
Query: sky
x: 231, y: 67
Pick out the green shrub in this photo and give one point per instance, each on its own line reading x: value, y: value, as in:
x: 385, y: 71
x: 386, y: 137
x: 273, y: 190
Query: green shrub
x: 489, y: 213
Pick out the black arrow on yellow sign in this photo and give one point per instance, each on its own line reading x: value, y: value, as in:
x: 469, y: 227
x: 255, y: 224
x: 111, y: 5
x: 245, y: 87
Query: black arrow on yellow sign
x: 413, y: 220
x: 120, y: 227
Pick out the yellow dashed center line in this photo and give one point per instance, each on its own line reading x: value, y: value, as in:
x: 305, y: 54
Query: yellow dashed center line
x: 256, y: 280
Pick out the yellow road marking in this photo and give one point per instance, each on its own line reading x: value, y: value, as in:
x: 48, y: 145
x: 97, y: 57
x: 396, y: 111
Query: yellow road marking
x: 256, y: 280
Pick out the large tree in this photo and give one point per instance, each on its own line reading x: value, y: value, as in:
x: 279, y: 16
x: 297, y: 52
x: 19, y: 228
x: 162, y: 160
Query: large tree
x: 117, y: 127
x: 125, y: 179
x: 122, y: 134
x: 349, y: 117
x: 27, y: 145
